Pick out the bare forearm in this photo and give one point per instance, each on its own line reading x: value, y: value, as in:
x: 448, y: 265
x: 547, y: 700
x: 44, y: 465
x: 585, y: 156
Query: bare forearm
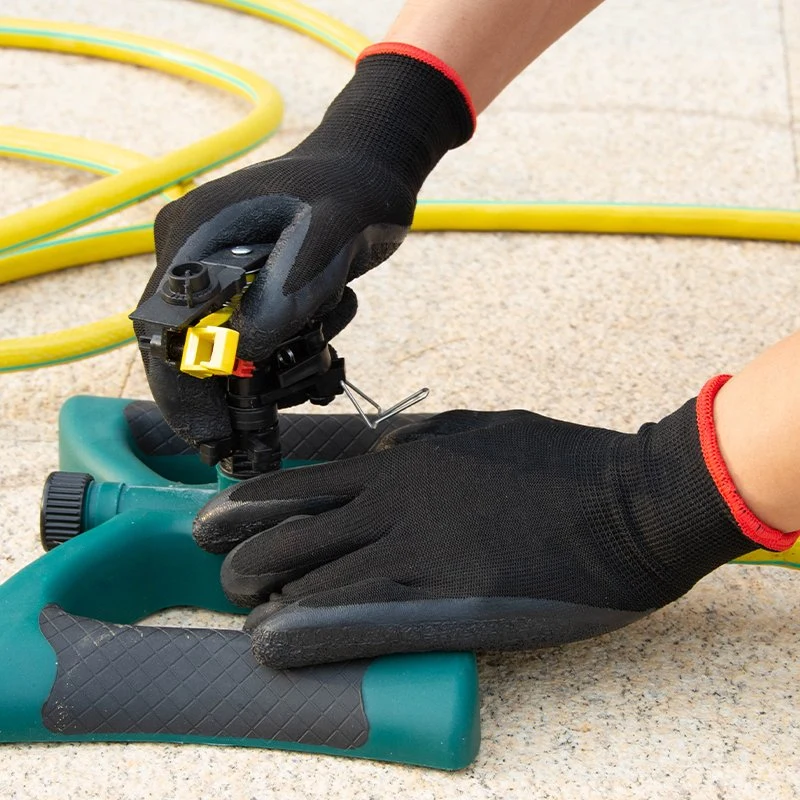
x: 488, y: 42
x: 758, y: 427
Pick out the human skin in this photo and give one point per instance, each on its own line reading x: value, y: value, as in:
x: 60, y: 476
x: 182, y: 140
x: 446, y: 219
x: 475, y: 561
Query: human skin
x: 487, y: 42
x: 758, y: 429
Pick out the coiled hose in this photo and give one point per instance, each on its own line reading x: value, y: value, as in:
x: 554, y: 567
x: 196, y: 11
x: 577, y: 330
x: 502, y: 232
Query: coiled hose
x: 37, y: 240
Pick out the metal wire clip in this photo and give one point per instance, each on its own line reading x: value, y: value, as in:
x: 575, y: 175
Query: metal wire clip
x: 380, y: 416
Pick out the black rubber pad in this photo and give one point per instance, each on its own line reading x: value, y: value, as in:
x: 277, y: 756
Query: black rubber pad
x: 310, y: 437
x: 118, y: 679
x: 151, y: 433
x: 326, y: 437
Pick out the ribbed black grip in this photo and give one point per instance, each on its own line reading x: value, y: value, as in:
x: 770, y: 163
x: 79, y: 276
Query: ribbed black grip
x: 136, y: 679
x: 61, y: 515
x: 308, y: 437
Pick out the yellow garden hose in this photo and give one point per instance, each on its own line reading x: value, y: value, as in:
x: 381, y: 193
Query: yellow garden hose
x: 33, y: 241
x: 71, y: 151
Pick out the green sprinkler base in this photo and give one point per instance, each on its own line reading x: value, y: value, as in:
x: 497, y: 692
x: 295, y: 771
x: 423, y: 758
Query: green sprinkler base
x: 74, y: 666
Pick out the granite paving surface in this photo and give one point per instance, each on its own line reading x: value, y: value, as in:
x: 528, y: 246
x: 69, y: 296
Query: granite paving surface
x: 677, y: 102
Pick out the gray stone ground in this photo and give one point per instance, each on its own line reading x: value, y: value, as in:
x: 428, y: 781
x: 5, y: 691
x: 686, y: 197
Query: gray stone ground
x: 662, y: 102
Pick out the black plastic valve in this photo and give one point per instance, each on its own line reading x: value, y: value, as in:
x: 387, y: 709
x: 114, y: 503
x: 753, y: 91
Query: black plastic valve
x: 187, y: 284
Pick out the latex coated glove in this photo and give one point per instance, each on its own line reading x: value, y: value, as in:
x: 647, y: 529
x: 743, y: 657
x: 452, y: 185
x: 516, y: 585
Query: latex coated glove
x: 337, y: 205
x: 480, y: 531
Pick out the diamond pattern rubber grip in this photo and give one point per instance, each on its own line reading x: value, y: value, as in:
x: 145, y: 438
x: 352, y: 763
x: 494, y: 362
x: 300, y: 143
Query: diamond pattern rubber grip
x: 308, y: 437
x: 326, y: 437
x: 151, y: 433
x: 123, y: 679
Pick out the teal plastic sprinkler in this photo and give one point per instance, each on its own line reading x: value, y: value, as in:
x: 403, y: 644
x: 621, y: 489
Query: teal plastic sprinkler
x: 117, y: 524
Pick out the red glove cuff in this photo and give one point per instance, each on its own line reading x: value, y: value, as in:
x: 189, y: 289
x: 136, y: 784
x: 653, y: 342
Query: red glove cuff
x: 751, y: 526
x: 409, y: 50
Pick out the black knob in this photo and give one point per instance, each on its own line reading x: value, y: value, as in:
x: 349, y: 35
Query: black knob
x: 61, y: 516
x: 186, y: 284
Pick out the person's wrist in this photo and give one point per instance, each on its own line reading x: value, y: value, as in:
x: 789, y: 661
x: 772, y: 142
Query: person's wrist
x: 756, y: 509
x: 425, y: 57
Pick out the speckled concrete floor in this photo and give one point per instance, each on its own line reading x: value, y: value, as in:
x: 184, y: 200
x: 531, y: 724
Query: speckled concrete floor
x: 674, y: 102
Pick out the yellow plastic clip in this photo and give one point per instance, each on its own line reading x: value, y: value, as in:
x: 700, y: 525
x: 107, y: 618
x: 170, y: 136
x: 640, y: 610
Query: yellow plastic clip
x: 210, y: 349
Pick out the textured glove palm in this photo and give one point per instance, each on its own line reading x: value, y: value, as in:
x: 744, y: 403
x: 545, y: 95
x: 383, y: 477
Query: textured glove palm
x: 472, y: 531
x: 336, y: 206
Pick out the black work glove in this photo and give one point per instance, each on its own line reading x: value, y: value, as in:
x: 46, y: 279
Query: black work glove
x: 479, y: 531
x: 337, y: 205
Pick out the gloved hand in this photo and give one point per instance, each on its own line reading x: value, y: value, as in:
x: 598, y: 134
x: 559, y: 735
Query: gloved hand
x: 480, y: 531
x: 337, y: 205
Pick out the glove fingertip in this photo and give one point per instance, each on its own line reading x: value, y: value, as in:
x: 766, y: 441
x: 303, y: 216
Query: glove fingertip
x: 336, y: 320
x: 288, y: 638
x: 209, y: 539
x: 288, y: 649
x: 298, y: 634
x: 196, y: 410
x: 250, y: 591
